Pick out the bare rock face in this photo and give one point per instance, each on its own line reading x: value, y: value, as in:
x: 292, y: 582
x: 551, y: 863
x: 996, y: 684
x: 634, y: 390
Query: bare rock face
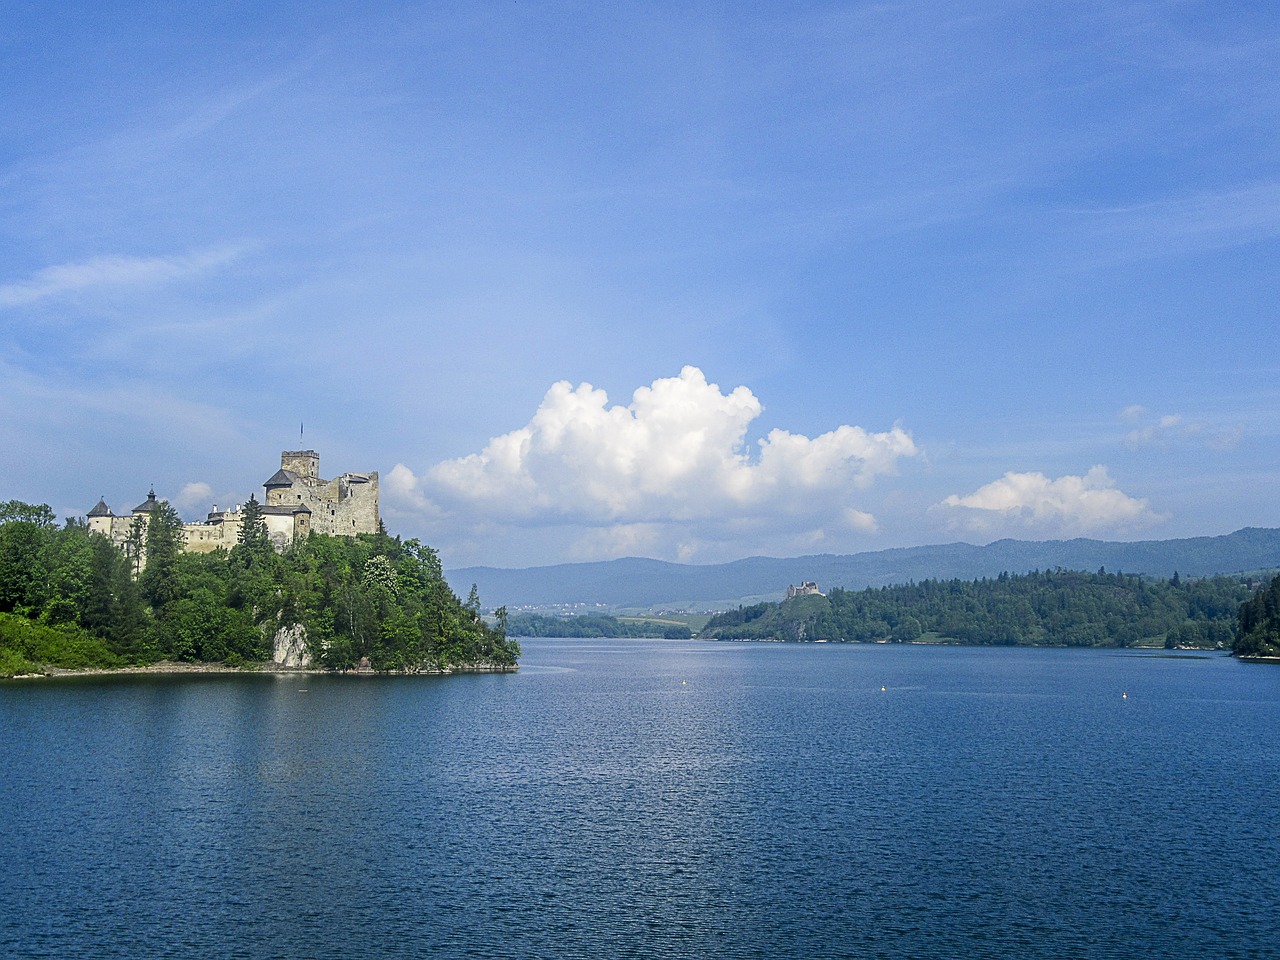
x: 291, y: 647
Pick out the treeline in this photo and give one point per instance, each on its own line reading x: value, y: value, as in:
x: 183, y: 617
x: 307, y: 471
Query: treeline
x: 1050, y: 608
x: 1259, y: 627
x: 593, y: 625
x: 372, y: 599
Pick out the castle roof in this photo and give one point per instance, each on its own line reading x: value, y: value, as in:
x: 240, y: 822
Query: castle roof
x: 284, y: 510
x: 147, y: 505
x: 101, y: 510
x: 281, y: 478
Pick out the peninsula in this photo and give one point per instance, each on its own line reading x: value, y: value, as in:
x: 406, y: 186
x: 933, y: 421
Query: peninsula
x: 260, y: 586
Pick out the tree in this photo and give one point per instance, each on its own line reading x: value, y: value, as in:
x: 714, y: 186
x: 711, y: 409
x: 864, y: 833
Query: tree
x: 908, y: 630
x: 380, y: 574
x: 159, y: 581
x: 135, y: 545
x: 253, y: 542
x: 1258, y: 633
x: 24, y: 565
x: 39, y: 514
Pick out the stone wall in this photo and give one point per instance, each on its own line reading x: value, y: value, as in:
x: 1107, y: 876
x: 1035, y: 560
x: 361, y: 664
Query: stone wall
x: 345, y: 506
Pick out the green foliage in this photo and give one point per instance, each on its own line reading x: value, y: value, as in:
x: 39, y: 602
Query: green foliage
x: 1053, y: 608
x: 39, y: 514
x: 14, y: 664
x: 373, y: 599
x: 1258, y: 634
x: 25, y: 644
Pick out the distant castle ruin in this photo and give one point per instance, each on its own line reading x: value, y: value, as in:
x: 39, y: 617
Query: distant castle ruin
x: 297, y: 502
x: 807, y: 589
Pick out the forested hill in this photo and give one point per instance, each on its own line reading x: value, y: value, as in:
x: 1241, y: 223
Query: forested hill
x: 69, y: 598
x: 638, y: 583
x: 1053, y: 608
x: 594, y: 625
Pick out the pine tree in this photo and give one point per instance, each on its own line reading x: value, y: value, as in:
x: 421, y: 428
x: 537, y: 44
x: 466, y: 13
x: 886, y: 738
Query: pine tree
x: 159, y: 582
x: 253, y: 542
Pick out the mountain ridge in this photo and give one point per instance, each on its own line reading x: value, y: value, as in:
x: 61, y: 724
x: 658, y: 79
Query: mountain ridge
x: 640, y: 582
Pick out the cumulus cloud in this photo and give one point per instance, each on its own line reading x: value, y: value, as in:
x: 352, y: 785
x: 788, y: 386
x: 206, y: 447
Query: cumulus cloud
x: 68, y: 278
x: 1070, y: 505
x: 676, y: 456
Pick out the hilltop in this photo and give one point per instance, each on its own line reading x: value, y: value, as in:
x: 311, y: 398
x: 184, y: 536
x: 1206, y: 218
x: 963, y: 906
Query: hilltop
x: 636, y: 583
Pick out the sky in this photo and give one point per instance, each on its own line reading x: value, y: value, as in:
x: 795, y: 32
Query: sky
x: 692, y: 281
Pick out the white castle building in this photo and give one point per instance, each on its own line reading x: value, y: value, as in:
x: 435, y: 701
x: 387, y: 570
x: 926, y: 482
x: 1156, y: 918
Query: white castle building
x: 297, y: 502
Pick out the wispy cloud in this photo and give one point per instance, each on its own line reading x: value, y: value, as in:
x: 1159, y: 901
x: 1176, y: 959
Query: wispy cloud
x: 1150, y: 431
x: 112, y: 271
x: 1182, y: 223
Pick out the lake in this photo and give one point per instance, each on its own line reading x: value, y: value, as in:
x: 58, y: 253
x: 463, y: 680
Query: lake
x: 652, y: 799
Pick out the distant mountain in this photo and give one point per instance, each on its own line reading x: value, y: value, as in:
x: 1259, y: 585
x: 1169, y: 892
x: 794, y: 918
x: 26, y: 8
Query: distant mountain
x: 637, y: 583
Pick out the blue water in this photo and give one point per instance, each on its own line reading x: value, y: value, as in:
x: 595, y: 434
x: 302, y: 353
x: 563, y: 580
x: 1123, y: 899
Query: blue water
x: 652, y: 799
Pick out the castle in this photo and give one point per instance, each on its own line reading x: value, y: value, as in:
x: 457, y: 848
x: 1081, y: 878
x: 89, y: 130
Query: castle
x: 297, y: 502
x: 807, y: 589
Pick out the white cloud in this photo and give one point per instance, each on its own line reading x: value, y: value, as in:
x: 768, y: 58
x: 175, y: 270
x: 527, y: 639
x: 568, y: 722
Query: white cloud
x: 194, y: 494
x: 69, y: 278
x: 662, y: 474
x: 1070, y: 505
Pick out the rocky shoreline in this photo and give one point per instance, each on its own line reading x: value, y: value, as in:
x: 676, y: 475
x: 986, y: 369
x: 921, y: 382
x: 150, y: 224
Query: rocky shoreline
x: 176, y: 667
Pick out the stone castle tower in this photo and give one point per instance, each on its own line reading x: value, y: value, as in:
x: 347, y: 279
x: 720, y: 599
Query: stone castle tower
x: 341, y: 507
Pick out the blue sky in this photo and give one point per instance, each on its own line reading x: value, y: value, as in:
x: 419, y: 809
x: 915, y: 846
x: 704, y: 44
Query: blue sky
x: 692, y: 281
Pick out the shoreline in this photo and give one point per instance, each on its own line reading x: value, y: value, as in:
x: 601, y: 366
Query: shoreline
x: 173, y: 668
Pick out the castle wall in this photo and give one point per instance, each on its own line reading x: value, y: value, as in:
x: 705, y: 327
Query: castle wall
x: 208, y: 537
x: 280, y: 529
x: 344, y: 506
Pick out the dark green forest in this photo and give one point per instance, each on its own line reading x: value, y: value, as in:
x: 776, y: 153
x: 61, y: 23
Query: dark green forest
x: 1051, y: 608
x: 1259, y: 627
x: 69, y: 598
x: 593, y: 625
